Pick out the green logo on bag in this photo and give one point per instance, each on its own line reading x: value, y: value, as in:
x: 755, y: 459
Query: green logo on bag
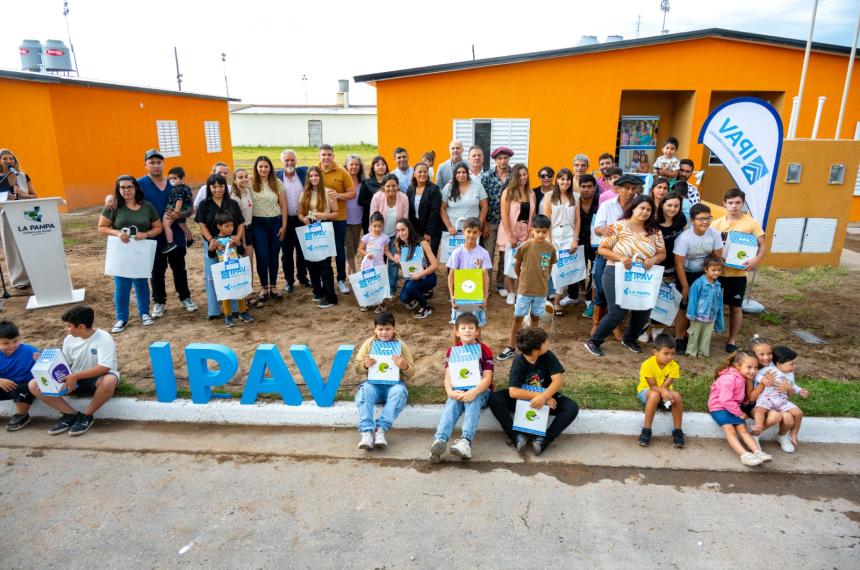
x: 464, y: 373
x: 383, y: 367
x: 531, y: 415
x: 741, y: 254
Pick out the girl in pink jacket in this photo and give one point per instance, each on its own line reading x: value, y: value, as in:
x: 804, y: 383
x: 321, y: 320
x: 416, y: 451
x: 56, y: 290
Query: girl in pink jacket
x: 724, y: 404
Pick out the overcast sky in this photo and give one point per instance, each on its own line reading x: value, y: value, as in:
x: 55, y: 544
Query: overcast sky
x: 271, y: 44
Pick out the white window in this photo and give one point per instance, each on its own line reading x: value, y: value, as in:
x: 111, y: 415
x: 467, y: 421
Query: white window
x: 492, y: 133
x: 212, y: 132
x: 168, y: 138
x: 857, y: 183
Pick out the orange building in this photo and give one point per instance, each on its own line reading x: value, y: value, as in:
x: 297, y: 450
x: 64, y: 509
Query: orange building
x: 548, y: 106
x: 74, y: 137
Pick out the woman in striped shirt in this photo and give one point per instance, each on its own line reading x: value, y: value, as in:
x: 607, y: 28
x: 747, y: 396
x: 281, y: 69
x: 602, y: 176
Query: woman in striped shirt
x: 635, y: 235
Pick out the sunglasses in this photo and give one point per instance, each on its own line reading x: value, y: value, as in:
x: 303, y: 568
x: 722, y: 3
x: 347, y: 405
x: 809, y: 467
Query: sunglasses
x: 700, y: 219
x: 546, y: 175
x: 126, y: 187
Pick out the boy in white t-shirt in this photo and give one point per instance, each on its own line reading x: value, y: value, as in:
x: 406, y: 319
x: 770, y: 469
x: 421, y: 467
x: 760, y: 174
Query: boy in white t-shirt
x: 91, y: 356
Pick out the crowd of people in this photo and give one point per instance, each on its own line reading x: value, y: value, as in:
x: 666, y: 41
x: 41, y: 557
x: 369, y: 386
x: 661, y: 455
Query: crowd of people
x: 382, y: 217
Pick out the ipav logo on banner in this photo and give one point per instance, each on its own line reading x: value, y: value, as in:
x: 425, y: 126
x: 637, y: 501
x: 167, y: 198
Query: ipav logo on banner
x: 36, y: 228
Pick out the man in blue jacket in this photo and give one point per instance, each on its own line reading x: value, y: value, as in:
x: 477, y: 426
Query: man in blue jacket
x: 294, y: 182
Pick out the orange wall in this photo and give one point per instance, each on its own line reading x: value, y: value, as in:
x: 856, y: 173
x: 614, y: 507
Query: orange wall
x: 79, y: 139
x: 574, y: 102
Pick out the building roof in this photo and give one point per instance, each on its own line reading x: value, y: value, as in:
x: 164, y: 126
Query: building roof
x: 302, y: 110
x: 599, y: 47
x: 62, y: 79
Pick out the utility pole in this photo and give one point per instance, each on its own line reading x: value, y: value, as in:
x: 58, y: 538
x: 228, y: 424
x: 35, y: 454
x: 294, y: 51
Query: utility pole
x: 224, y: 64
x: 178, y: 75
x: 69, y: 34
x: 473, y: 52
x: 638, y: 23
x: 664, y: 7
x: 305, y: 85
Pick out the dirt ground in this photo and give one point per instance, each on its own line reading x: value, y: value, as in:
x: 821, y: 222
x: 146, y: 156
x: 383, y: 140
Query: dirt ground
x: 822, y: 301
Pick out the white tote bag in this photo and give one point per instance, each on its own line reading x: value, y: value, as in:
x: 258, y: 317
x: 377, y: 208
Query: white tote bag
x: 317, y: 240
x: 570, y: 267
x: 133, y: 259
x: 370, y: 285
x: 668, y: 303
x: 637, y: 288
x: 449, y: 242
x: 510, y: 261
x: 231, y: 279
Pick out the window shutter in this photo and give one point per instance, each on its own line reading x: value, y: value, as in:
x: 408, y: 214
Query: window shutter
x: 464, y: 132
x: 168, y: 138
x: 514, y: 134
x: 212, y: 132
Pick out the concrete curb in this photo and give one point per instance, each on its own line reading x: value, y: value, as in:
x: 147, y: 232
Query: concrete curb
x: 344, y: 414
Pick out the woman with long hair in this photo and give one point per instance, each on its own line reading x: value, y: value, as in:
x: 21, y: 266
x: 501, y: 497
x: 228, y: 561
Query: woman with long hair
x: 354, y: 211
x: 416, y: 253
x: 517, y: 213
x: 370, y: 186
x: 15, y: 184
x: 393, y: 205
x: 316, y: 206
x: 561, y: 208
x: 635, y: 235
x: 269, y: 223
x: 425, y: 199
x: 462, y: 198
x: 241, y: 192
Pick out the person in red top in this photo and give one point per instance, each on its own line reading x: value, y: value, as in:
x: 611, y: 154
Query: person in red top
x: 463, y: 401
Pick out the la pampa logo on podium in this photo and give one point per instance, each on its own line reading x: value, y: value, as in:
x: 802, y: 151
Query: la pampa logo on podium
x: 35, y: 215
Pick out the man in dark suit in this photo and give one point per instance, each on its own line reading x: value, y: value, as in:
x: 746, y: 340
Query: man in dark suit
x: 294, y: 182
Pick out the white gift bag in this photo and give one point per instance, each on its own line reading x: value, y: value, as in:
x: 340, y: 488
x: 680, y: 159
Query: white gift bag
x: 384, y: 371
x: 510, y: 261
x: 413, y: 265
x: 570, y: 267
x: 449, y: 242
x: 317, y: 240
x: 370, y: 285
x: 740, y: 247
x: 636, y: 289
x: 668, y: 302
x: 231, y: 279
x: 528, y: 419
x: 133, y: 259
x: 464, y: 368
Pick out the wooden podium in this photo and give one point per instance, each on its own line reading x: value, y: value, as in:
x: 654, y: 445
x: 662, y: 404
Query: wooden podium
x: 33, y: 226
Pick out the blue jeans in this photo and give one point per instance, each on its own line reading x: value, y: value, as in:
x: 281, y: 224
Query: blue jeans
x: 599, y: 266
x: 213, y: 305
x: 414, y: 289
x: 392, y: 396
x: 393, y: 269
x: 340, y: 248
x: 122, y: 291
x: 267, y: 246
x: 471, y: 413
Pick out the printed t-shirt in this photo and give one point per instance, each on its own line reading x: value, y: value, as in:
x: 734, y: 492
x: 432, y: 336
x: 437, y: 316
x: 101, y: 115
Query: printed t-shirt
x: 376, y: 247
x: 125, y: 217
x: 628, y: 243
x: 84, y: 353
x: 696, y: 248
x: 462, y: 258
x: 536, y: 260
x: 265, y: 202
x: 745, y: 224
x: 650, y: 369
x: 539, y: 374
x: 485, y: 362
x: 16, y: 367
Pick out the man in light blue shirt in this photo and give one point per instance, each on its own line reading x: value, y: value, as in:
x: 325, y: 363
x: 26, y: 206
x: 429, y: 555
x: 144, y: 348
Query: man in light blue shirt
x: 403, y: 172
x: 446, y: 169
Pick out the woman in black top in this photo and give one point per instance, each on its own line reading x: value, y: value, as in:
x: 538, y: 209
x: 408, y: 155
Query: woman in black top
x: 370, y: 186
x: 216, y: 201
x: 425, y: 217
x: 672, y: 222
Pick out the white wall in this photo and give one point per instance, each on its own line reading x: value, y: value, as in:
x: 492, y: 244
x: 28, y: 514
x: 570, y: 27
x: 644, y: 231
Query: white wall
x: 292, y: 130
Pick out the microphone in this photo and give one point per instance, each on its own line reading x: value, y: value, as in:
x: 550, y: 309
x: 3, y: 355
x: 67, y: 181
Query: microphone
x: 13, y: 171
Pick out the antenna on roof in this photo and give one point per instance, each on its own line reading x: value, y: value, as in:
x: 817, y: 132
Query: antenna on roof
x: 69, y: 34
x: 638, y: 23
x: 473, y: 52
x: 664, y: 7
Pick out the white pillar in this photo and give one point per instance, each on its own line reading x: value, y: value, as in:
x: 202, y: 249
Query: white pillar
x: 847, y: 80
x: 803, y: 70
x: 817, y: 122
x: 792, y: 118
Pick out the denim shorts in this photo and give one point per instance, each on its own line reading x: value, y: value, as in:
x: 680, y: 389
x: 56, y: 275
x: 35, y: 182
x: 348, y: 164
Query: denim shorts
x: 725, y: 418
x: 534, y: 303
x: 480, y: 315
x: 643, y: 395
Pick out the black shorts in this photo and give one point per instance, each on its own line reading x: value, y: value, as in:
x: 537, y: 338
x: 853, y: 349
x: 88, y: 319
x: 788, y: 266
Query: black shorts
x: 86, y: 387
x: 691, y: 278
x: 20, y: 394
x: 734, y: 289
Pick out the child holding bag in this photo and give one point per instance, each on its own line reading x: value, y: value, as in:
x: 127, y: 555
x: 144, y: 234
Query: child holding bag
x: 374, y: 247
x: 223, y: 248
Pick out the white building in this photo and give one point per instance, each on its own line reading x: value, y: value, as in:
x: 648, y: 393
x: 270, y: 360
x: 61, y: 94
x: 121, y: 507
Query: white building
x: 302, y: 125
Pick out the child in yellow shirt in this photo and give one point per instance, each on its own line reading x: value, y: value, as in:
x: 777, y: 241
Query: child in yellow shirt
x: 657, y: 376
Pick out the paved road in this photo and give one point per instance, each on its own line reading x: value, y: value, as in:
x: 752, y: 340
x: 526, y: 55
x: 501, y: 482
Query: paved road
x: 140, y: 495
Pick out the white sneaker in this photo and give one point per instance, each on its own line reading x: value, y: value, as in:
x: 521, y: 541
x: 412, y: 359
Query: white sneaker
x: 644, y: 337
x: 146, y: 320
x: 189, y: 305
x: 462, y: 449
x: 512, y: 298
x: 158, y: 310
x: 785, y: 443
x: 342, y: 287
x: 765, y: 457
x: 379, y: 439
x: 567, y: 301
x: 366, y: 440
x: 750, y: 459
x: 119, y: 326
x: 503, y: 292
x: 437, y: 450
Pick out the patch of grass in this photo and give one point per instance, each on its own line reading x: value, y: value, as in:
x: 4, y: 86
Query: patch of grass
x: 244, y: 156
x: 69, y: 242
x: 771, y: 318
x: 819, y: 277
x: 796, y: 298
x: 130, y: 390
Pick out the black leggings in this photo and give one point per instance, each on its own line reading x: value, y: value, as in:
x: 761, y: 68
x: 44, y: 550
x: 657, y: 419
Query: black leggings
x: 503, y: 406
